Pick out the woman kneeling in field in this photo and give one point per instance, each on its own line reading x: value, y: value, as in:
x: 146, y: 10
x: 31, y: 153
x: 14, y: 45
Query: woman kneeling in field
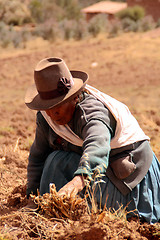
x: 82, y: 133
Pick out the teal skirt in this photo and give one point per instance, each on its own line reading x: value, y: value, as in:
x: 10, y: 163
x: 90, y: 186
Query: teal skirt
x: 142, y: 201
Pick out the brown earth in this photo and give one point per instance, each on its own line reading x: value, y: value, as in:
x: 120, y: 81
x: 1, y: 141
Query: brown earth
x: 125, y: 67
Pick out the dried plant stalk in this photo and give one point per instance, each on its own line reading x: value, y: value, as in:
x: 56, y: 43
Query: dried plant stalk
x: 60, y: 206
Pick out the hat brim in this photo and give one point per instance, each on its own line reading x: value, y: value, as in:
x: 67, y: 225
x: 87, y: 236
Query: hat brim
x: 35, y: 102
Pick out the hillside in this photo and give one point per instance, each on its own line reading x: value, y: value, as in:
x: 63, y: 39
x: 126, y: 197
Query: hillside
x: 125, y: 67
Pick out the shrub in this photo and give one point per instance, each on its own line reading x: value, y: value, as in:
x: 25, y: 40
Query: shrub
x: 47, y: 30
x: 66, y: 27
x: 73, y: 29
x: 147, y: 23
x: 158, y: 23
x: 97, y: 24
x: 115, y: 28
x: 80, y: 30
x: 129, y: 25
x: 44, y: 10
x: 36, y: 10
x: 71, y: 8
x: 14, y: 12
x: 134, y: 13
x: 21, y: 37
x: 58, y: 10
x: 6, y: 33
x: 10, y: 36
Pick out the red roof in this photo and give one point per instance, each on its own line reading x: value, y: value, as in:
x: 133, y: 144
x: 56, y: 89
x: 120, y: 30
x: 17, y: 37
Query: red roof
x: 105, y: 7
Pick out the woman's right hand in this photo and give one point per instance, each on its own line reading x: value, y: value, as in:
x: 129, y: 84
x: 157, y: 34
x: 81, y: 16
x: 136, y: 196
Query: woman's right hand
x: 74, y: 186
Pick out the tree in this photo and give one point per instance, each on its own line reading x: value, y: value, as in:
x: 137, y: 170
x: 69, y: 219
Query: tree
x: 14, y: 12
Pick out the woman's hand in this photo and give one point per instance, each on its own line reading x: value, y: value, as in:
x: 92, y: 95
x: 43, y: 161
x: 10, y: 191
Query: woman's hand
x: 74, y: 186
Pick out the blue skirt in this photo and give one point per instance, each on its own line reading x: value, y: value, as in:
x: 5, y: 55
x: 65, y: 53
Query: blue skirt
x: 143, y: 200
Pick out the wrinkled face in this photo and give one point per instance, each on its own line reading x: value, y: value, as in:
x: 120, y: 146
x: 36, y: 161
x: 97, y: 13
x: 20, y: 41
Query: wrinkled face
x: 62, y: 114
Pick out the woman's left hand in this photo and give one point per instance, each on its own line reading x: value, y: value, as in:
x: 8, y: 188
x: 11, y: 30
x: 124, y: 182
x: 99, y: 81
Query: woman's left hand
x: 74, y: 186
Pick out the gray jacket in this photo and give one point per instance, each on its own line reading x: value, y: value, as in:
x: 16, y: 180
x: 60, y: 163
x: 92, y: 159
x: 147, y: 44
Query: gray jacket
x: 95, y: 124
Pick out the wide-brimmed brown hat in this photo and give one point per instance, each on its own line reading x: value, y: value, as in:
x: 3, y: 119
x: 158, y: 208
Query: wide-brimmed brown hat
x: 54, y: 84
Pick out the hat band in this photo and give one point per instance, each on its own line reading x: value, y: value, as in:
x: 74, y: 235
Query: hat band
x: 50, y: 94
x: 63, y: 86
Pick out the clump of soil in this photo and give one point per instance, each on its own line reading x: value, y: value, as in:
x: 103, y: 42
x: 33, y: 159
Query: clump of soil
x: 17, y: 198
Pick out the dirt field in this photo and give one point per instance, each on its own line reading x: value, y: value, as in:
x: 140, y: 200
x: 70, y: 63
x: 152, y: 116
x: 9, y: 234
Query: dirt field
x: 126, y: 67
